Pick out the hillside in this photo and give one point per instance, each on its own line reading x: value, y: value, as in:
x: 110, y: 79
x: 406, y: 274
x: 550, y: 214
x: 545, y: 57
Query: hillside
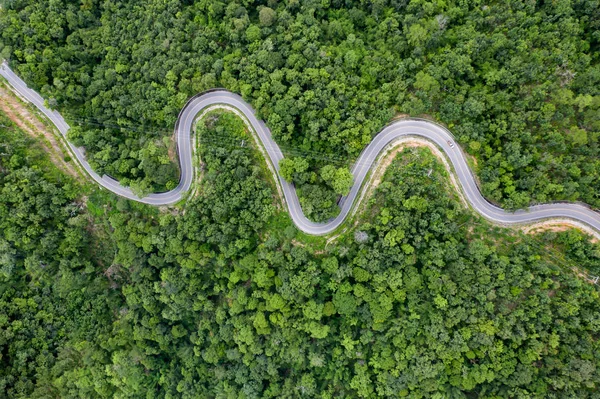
x: 221, y: 295
x: 104, y: 298
x: 518, y: 82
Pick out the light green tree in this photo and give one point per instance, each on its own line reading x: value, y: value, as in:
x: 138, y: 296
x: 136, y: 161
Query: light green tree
x: 340, y: 179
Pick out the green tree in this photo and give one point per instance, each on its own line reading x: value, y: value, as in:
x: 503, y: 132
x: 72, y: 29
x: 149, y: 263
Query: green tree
x: 267, y: 16
x: 340, y: 179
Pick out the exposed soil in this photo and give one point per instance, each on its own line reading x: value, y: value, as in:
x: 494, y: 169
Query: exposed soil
x: 172, y: 150
x: 387, y: 158
x: 400, y: 116
x: 30, y: 124
x: 408, y: 143
x: 472, y: 159
x: 297, y: 243
x: 585, y: 276
x: 558, y: 226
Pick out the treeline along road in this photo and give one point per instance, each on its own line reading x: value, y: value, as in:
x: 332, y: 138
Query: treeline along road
x: 409, y: 127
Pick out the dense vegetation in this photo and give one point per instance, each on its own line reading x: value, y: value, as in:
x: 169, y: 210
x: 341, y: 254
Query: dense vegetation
x: 318, y: 192
x: 225, y: 300
x: 580, y: 252
x: 517, y: 81
x: 54, y: 300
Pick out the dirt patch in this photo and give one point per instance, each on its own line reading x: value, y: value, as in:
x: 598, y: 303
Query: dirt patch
x: 586, y: 276
x: 335, y: 237
x: 387, y: 158
x: 400, y: 145
x: 172, y: 150
x: 400, y: 116
x: 559, y: 225
x: 30, y: 124
x: 550, y: 226
x: 473, y: 160
x: 297, y: 243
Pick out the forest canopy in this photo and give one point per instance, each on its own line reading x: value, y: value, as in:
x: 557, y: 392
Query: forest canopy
x: 518, y: 82
x: 101, y: 297
x: 106, y: 298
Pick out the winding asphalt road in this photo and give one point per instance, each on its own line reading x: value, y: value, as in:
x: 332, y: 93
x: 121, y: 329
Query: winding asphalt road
x: 419, y: 128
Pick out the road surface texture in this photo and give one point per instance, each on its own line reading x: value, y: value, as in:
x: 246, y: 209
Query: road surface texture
x: 430, y: 131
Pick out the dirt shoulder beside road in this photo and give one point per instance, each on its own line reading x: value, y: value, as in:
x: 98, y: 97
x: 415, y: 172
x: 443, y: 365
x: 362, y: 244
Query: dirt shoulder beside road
x: 27, y: 121
x: 559, y: 225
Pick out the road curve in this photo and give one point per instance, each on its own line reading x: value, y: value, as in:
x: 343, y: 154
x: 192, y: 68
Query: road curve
x: 430, y: 131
